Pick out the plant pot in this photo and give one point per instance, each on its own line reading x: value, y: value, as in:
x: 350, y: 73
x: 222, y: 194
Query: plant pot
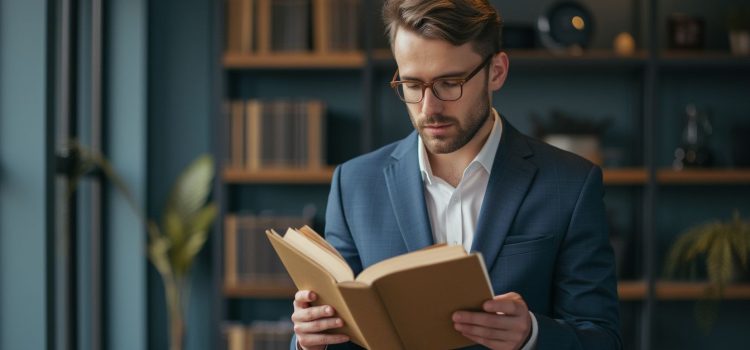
x: 739, y: 42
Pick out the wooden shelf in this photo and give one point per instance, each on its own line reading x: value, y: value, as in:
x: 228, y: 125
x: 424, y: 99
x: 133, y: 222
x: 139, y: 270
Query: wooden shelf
x: 543, y: 58
x: 280, y: 176
x: 697, y: 290
x: 625, y: 176
x: 667, y: 290
x: 631, y: 290
x: 588, y: 59
x: 706, y: 59
x: 703, y: 176
x: 276, y: 291
x: 353, y: 60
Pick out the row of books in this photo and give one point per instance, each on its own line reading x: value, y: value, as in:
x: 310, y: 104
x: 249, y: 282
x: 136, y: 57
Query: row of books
x: 278, y: 134
x: 249, y: 257
x: 260, y: 335
x: 263, y: 26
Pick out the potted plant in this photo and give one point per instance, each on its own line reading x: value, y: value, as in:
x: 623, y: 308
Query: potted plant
x: 722, y: 250
x: 172, y: 246
x: 739, y: 30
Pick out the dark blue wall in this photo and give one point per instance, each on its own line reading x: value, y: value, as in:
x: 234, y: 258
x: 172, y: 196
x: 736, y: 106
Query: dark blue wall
x: 179, y: 129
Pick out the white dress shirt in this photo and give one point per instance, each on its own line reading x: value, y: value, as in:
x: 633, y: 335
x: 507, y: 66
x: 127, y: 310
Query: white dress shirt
x: 454, y: 211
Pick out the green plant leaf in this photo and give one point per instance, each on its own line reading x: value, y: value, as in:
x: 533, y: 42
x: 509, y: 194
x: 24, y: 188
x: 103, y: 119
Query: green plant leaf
x: 174, y: 227
x: 204, y: 218
x: 199, y: 227
x: 158, y: 249
x: 719, y: 260
x: 192, y: 188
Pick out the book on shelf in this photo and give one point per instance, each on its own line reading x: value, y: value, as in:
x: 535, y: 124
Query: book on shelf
x: 239, y: 29
x: 249, y: 258
x: 290, y: 25
x: 341, y: 29
x: 293, y: 26
x: 277, y: 134
x: 259, y: 335
x: 405, y: 302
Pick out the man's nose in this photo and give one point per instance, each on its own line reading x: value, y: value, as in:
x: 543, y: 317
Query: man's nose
x: 431, y: 105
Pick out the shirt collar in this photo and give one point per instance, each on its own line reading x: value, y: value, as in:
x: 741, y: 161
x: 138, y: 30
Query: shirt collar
x: 485, y: 157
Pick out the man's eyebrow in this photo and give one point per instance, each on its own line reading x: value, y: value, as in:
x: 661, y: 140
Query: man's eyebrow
x: 456, y: 75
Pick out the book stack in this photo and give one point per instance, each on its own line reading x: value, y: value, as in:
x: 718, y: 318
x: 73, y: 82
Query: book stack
x: 260, y: 335
x: 292, y: 26
x: 249, y: 258
x: 343, y: 28
x: 279, y: 134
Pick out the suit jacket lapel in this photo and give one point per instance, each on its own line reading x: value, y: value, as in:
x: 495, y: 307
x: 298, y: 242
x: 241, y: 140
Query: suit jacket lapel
x: 509, y: 181
x: 406, y: 192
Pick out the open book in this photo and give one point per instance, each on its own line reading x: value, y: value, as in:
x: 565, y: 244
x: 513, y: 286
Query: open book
x: 405, y: 302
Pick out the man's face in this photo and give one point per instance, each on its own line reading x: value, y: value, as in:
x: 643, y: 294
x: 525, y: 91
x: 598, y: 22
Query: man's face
x: 445, y: 126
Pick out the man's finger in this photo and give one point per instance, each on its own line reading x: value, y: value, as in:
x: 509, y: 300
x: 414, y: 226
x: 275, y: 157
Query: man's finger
x: 303, y: 298
x: 306, y: 340
x: 318, y: 326
x: 505, y: 305
x: 492, y: 344
x: 313, y: 313
x: 489, y: 320
x: 484, y: 332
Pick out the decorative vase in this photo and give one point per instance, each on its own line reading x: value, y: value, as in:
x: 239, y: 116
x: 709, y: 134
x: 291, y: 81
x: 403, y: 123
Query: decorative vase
x: 693, y: 151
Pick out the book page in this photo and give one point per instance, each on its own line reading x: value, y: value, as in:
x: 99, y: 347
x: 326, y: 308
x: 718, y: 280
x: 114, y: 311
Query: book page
x: 316, y: 238
x: 423, y: 257
x: 333, y: 263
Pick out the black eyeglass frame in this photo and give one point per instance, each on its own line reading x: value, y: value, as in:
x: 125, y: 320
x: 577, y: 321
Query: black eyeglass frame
x: 395, y: 83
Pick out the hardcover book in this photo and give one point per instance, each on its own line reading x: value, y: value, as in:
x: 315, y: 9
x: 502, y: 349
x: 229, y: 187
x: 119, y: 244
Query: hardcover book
x: 405, y: 302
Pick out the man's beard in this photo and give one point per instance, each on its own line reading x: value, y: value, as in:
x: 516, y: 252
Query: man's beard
x: 465, y: 131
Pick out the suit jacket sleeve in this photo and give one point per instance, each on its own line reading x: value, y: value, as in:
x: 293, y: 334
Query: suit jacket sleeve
x: 585, y: 312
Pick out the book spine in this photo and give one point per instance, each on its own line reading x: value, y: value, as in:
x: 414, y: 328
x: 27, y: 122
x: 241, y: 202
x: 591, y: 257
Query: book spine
x: 264, y: 26
x: 238, y: 137
x: 321, y: 23
x: 230, y: 250
x: 254, y: 135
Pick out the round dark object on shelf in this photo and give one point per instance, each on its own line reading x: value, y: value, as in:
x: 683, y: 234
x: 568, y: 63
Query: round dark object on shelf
x: 566, y: 25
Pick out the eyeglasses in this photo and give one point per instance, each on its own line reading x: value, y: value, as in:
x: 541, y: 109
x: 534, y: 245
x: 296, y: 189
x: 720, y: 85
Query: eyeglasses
x: 445, y: 89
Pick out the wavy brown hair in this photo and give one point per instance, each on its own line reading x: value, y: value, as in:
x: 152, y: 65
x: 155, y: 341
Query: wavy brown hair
x: 455, y: 21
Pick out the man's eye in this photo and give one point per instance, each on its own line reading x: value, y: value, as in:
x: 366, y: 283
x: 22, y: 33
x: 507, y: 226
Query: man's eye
x: 412, y: 86
x: 449, y: 83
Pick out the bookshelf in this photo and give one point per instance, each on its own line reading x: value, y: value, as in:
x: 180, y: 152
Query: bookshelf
x: 647, y: 87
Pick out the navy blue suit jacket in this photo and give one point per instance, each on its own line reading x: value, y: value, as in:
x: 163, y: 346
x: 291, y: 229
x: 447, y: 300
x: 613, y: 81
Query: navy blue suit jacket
x: 541, y: 230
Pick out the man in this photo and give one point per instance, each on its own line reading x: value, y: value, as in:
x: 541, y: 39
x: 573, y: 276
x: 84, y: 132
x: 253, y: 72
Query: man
x: 466, y: 176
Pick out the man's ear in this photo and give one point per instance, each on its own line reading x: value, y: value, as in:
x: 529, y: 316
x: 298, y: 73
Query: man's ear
x: 498, y: 71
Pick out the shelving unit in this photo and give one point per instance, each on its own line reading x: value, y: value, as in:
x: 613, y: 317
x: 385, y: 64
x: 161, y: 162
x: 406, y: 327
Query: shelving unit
x: 645, y: 179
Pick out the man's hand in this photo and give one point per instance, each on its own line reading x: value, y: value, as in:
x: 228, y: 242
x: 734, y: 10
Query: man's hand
x: 311, y: 321
x: 505, y: 324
